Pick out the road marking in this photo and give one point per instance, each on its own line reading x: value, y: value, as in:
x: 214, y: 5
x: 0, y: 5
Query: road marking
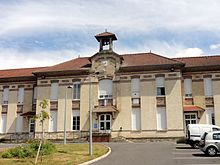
x: 182, y: 153
x: 196, y: 157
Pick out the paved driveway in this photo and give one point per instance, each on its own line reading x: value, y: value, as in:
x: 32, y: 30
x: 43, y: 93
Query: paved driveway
x: 156, y: 153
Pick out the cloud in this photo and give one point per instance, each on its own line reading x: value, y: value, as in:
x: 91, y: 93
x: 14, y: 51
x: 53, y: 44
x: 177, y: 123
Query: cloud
x: 190, y: 52
x: 214, y: 46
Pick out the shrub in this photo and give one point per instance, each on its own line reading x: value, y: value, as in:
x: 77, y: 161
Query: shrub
x: 30, y: 150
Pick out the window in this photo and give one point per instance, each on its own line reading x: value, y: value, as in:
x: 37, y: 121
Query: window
x: 53, y: 121
x: 105, y: 89
x: 210, y: 116
x: 135, y: 87
x: 3, y: 123
x: 31, y: 125
x: 160, y: 86
x: 188, y: 87
x: 190, y: 118
x: 5, y: 95
x: 76, y: 91
x: 54, y: 91
x: 136, y: 119
x: 20, y: 95
x: 35, y: 95
x: 19, y: 123
x: 216, y: 136
x: 208, y: 87
x: 76, y: 120
x: 161, y: 118
x: 105, y: 122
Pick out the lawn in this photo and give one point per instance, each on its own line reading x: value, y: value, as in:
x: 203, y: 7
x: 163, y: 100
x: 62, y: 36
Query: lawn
x: 70, y: 154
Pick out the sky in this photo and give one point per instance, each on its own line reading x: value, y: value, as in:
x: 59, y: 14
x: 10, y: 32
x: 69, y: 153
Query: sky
x: 36, y: 33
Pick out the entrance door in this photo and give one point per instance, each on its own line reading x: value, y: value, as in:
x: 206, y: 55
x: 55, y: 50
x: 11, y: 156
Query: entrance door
x: 190, y: 118
x: 105, y: 122
x: 31, y: 127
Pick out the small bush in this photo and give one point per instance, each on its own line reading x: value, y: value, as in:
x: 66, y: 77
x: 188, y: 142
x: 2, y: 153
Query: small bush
x: 30, y: 150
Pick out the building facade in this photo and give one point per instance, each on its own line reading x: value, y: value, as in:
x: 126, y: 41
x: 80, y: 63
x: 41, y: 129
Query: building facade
x: 141, y: 95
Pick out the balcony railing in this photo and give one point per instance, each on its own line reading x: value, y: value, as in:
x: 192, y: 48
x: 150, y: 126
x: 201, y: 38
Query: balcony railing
x: 136, y: 102
x: 75, y: 104
x: 54, y: 105
x: 161, y: 101
x: 209, y: 101
x: 19, y: 108
x: 4, y: 108
x: 105, y: 102
x: 188, y: 101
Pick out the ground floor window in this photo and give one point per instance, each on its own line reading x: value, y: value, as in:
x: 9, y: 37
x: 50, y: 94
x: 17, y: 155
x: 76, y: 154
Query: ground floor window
x: 190, y: 118
x: 31, y: 125
x: 3, y: 123
x: 53, y: 121
x: 210, y: 116
x: 19, y: 123
x: 105, y: 122
x: 76, y: 120
x: 136, y: 119
x: 161, y: 118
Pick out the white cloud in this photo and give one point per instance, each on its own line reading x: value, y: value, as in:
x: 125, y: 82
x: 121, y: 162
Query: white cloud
x: 214, y: 46
x: 190, y: 52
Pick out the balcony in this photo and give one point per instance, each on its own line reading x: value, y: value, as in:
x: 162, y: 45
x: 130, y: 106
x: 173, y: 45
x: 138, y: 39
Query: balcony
x: 105, y: 102
x: 19, y: 108
x: 209, y: 101
x: 4, y: 108
x: 188, y: 101
x: 53, y: 105
x: 136, y: 102
x: 161, y: 101
x: 75, y: 104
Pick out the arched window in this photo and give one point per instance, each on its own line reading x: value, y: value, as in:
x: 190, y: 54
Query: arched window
x: 105, y: 89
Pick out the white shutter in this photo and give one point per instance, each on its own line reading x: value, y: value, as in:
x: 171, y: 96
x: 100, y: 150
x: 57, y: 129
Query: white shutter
x: 76, y: 113
x: 53, y: 121
x: 208, y: 86
x: 54, y: 91
x: 160, y: 81
x: 136, y: 119
x: 135, y: 87
x: 105, y: 87
x: 5, y: 94
x: 209, y: 113
x: 21, y: 95
x: 76, y: 91
x: 161, y: 119
x: 35, y: 93
x: 19, y: 123
x: 3, y: 123
x: 188, y: 87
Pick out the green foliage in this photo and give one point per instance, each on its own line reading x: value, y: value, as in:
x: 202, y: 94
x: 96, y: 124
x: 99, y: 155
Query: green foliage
x: 43, y: 114
x: 30, y: 150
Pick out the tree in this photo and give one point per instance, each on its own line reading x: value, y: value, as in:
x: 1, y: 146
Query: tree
x: 42, y: 116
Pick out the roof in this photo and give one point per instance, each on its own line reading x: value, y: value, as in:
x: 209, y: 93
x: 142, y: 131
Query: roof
x: 104, y: 109
x: 21, y: 72
x: 105, y: 34
x: 200, y: 61
x: 192, y: 108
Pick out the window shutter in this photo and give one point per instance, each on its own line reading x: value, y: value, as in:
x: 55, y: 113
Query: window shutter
x: 53, y: 121
x: 160, y: 81
x: 105, y: 88
x: 20, y: 95
x: 76, y: 91
x: 5, y: 94
x: 161, y: 119
x: 19, y: 123
x: 209, y: 114
x: 136, y: 119
x: 54, y: 91
x: 188, y: 87
x: 35, y: 93
x: 3, y: 123
x: 208, y: 87
x: 135, y: 87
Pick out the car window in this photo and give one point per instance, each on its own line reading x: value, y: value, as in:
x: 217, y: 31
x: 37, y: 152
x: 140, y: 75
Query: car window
x: 216, y: 136
x: 203, y: 136
x: 215, y: 129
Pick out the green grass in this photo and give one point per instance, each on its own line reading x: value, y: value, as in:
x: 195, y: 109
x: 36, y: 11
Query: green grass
x: 70, y: 154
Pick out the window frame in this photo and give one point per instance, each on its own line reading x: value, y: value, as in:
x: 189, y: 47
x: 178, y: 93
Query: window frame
x: 76, y: 91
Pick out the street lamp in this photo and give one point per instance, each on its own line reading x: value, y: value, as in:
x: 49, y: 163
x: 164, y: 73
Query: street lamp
x: 64, y: 140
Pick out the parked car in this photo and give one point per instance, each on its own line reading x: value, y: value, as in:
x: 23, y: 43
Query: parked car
x: 210, y: 143
x: 195, y: 131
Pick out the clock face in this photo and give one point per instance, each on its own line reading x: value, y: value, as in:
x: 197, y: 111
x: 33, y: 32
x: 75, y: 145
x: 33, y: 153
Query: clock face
x: 104, y: 62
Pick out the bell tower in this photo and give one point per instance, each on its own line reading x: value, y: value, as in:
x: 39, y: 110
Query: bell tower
x: 105, y: 40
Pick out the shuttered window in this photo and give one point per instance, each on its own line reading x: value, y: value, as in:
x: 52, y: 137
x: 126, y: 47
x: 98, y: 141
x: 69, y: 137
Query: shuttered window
x: 3, y: 123
x: 136, y: 119
x: 20, y: 95
x: 54, y: 91
x: 76, y: 91
x: 210, y: 116
x: 188, y: 87
x: 135, y: 87
x: 5, y: 95
x: 160, y: 86
x: 35, y: 95
x: 19, y: 123
x: 105, y: 89
x: 208, y: 87
x: 76, y: 120
x: 161, y: 118
x: 53, y: 121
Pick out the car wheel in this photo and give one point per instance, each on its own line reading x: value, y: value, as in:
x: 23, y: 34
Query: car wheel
x: 211, y: 151
x: 196, y: 145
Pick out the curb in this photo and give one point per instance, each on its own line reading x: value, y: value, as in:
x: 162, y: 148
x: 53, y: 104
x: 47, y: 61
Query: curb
x: 99, y: 158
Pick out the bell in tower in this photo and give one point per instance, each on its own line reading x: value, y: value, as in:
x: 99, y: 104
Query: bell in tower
x: 105, y: 40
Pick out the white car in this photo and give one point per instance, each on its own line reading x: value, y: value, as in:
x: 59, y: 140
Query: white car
x: 210, y: 143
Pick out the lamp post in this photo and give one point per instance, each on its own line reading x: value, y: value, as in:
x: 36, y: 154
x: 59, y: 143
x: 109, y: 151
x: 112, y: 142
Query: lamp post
x: 64, y: 140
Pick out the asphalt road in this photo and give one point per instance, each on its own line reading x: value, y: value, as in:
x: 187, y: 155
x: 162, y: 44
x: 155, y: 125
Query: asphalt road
x: 155, y: 153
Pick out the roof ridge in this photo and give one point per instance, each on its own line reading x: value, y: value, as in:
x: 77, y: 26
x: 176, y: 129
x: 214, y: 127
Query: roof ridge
x: 206, y: 56
x: 23, y: 68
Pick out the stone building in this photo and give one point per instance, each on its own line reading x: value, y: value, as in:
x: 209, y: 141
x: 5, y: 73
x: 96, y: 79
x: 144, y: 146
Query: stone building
x: 141, y: 95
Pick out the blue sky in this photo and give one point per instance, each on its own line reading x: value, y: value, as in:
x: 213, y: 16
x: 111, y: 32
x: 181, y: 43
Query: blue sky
x: 46, y: 32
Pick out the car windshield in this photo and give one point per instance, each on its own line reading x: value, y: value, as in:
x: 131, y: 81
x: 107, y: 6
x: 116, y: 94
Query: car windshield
x: 203, y: 136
